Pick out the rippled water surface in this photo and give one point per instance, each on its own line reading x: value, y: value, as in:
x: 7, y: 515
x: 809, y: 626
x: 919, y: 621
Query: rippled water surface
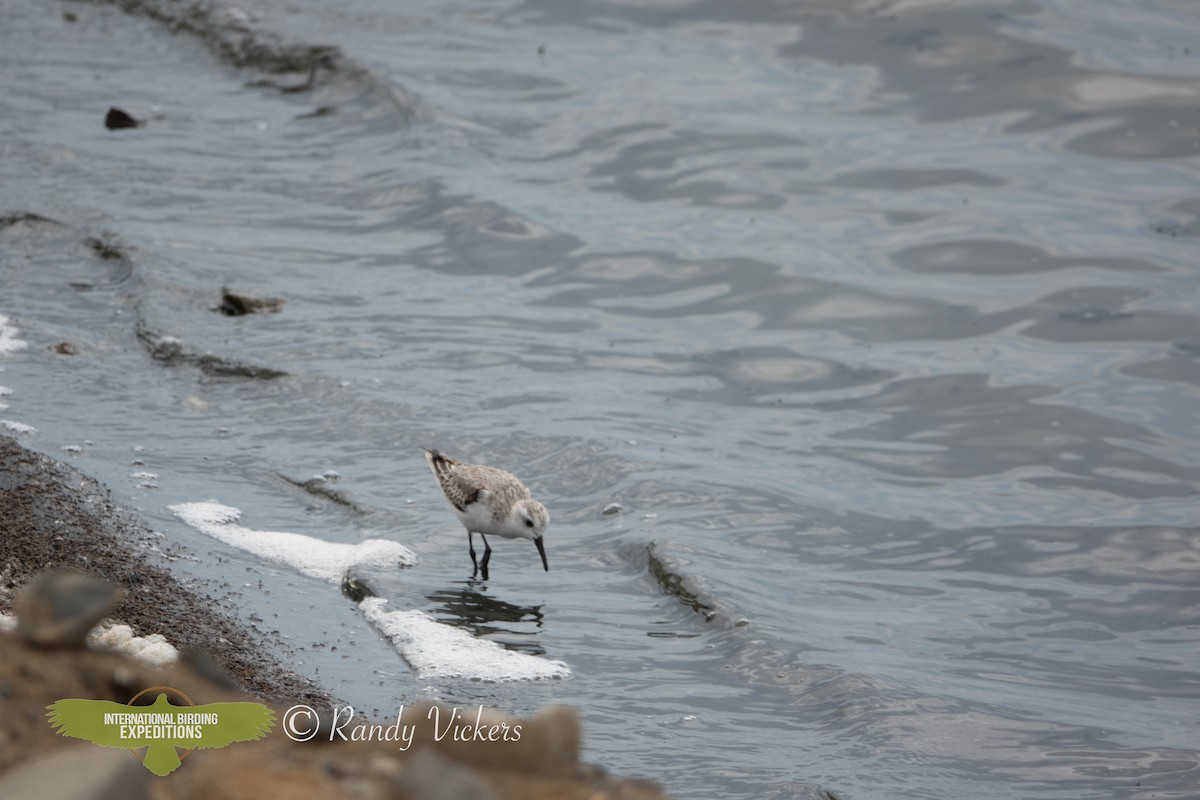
x: 878, y: 320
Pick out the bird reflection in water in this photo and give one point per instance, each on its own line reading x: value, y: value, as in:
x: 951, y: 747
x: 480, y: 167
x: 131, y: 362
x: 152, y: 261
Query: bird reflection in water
x: 485, y: 616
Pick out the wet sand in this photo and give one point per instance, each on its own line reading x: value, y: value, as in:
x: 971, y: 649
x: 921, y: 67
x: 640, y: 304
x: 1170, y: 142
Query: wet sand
x: 51, y: 515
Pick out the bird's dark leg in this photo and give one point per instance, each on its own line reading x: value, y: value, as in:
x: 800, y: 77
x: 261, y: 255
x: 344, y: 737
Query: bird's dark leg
x: 471, y: 550
x: 487, y: 554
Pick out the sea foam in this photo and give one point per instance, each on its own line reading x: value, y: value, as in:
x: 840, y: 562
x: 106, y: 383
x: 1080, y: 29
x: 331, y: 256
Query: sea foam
x: 437, y: 650
x: 306, y: 554
x: 433, y: 649
x: 9, y: 343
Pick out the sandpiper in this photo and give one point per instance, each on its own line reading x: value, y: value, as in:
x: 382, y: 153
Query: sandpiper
x: 489, y: 502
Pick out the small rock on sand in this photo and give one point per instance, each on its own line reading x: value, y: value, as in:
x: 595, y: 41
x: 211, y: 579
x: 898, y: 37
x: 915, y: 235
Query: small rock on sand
x: 58, y: 608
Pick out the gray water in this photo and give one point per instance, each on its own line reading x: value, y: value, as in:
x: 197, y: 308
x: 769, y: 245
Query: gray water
x: 877, y: 319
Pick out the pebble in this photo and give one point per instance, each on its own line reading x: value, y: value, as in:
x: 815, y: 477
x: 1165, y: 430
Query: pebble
x: 429, y: 776
x: 78, y: 772
x: 58, y: 608
x: 355, y: 588
x: 117, y: 118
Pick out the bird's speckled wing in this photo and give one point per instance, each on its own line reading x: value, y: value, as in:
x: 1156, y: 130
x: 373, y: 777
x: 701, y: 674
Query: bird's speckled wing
x: 469, y: 483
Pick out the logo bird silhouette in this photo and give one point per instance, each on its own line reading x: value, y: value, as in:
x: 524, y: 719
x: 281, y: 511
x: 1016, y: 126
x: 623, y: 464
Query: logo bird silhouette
x: 160, y: 727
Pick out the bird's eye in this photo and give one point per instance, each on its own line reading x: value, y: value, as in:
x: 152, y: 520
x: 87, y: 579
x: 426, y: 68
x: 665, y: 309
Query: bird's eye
x: 528, y: 523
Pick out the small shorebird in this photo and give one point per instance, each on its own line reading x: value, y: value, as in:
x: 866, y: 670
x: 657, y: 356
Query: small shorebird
x: 490, y: 502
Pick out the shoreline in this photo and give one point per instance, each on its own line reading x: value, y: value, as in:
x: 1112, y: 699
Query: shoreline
x: 54, y: 516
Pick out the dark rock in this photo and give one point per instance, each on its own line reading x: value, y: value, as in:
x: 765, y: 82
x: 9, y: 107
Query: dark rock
x: 117, y: 119
x: 355, y: 588
x: 426, y: 775
x: 83, y: 772
x: 234, y: 304
x: 58, y: 608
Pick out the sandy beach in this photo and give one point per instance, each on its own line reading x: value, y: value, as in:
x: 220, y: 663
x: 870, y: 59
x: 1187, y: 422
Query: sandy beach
x: 54, y: 517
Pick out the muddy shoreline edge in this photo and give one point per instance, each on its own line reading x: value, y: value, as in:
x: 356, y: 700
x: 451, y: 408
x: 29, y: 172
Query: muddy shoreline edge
x: 54, y: 516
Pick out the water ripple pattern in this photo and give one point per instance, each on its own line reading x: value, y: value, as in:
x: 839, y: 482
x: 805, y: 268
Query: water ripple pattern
x: 853, y: 347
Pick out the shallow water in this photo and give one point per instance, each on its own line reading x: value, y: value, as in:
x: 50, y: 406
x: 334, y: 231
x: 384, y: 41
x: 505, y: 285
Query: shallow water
x: 878, y: 320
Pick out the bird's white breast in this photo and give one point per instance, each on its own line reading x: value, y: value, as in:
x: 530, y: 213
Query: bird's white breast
x: 478, y: 517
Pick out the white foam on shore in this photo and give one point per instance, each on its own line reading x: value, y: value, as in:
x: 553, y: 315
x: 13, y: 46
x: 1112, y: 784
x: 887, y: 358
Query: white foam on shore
x: 154, y: 649
x: 19, y: 428
x: 436, y: 650
x: 9, y: 343
x: 306, y: 554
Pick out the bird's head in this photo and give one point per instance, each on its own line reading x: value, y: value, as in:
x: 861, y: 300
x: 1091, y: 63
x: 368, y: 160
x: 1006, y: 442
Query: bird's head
x: 532, y: 520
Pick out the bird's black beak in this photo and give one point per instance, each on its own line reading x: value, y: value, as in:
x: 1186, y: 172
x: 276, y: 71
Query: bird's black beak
x: 542, y: 552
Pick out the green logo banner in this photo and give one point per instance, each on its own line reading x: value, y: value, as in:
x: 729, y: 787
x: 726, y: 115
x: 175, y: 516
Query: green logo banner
x: 160, y: 727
